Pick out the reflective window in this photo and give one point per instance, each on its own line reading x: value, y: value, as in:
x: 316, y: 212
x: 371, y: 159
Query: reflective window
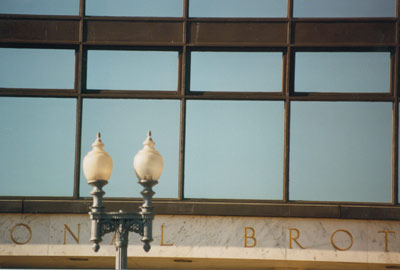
x: 237, y: 8
x: 132, y: 70
x: 124, y: 125
x: 148, y: 8
x: 37, y: 68
x: 341, y: 151
x: 37, y: 146
x: 344, y: 8
x: 40, y: 7
x: 236, y: 71
x: 234, y: 150
x: 342, y: 72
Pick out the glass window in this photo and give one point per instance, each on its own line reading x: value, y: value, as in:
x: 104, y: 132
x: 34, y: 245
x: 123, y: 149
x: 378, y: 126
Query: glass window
x: 234, y: 149
x: 37, y: 68
x: 37, y: 146
x: 342, y: 72
x: 123, y: 125
x: 148, y: 8
x: 236, y: 71
x: 132, y: 70
x: 341, y: 151
x: 344, y: 8
x: 237, y: 8
x: 40, y: 7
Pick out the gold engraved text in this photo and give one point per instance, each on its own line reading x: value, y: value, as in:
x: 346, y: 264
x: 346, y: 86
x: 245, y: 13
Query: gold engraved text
x: 348, y: 233
x: 113, y: 238
x: 251, y: 236
x: 294, y: 238
x: 66, y: 228
x: 386, y: 239
x: 162, y: 238
x: 20, y: 225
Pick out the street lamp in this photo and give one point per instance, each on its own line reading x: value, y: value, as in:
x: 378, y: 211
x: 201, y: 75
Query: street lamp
x: 97, y: 167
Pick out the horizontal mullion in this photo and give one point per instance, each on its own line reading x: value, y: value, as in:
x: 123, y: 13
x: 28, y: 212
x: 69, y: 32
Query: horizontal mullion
x: 239, y: 45
x: 346, y: 19
x: 41, y: 17
x: 341, y: 46
x: 304, y: 96
x: 38, y: 93
x: 310, y: 210
x: 200, y: 95
x: 124, y: 45
x: 359, y: 204
x: 135, y: 19
x: 236, y: 95
x: 196, y: 19
x: 40, y: 44
x: 236, y: 48
x: 232, y: 19
x: 131, y: 94
x: 344, y: 46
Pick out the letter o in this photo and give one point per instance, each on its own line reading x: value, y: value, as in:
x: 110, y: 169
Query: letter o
x: 23, y: 225
x: 333, y: 242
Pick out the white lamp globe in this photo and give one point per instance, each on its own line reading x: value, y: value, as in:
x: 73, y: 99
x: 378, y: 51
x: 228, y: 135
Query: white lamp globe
x: 148, y: 163
x: 97, y: 164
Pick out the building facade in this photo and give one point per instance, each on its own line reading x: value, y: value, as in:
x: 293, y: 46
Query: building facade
x: 278, y: 122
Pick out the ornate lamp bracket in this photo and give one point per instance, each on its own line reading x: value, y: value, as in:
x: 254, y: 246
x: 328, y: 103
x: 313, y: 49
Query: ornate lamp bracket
x: 121, y: 222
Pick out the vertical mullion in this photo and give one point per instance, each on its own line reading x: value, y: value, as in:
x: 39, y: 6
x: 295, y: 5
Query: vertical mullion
x: 395, y: 150
x: 182, y: 132
x: 395, y: 90
x: 286, y: 147
x: 182, y: 91
x: 79, y: 82
x: 288, y: 71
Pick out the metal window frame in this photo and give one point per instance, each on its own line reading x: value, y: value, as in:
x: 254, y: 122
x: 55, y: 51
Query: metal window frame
x: 185, y: 34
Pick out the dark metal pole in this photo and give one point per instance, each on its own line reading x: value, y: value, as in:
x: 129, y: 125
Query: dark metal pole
x: 121, y: 243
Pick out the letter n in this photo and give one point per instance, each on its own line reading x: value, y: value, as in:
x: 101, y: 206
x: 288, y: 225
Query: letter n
x: 66, y: 228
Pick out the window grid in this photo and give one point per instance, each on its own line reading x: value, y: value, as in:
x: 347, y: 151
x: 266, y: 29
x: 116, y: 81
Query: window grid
x: 295, y: 39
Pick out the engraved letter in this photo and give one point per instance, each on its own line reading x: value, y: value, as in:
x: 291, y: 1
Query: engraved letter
x: 12, y: 233
x: 66, y: 228
x: 333, y: 242
x: 294, y: 238
x: 386, y: 239
x: 113, y: 239
x: 252, y: 236
x: 162, y: 238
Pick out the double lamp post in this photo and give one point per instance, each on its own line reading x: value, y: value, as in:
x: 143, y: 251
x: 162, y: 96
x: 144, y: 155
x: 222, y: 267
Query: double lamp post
x: 97, y: 167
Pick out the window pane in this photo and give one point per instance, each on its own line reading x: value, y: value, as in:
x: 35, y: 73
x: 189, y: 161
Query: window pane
x: 123, y: 125
x: 341, y: 151
x: 132, y: 70
x: 237, y: 8
x: 37, y: 68
x: 236, y: 71
x: 40, y: 7
x: 344, y: 8
x: 149, y: 8
x: 342, y: 72
x: 37, y: 146
x: 234, y: 149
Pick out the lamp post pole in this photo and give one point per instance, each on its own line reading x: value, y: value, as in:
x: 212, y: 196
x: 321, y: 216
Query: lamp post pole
x: 97, y: 167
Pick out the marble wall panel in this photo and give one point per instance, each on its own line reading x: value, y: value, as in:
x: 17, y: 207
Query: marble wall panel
x: 278, y: 239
